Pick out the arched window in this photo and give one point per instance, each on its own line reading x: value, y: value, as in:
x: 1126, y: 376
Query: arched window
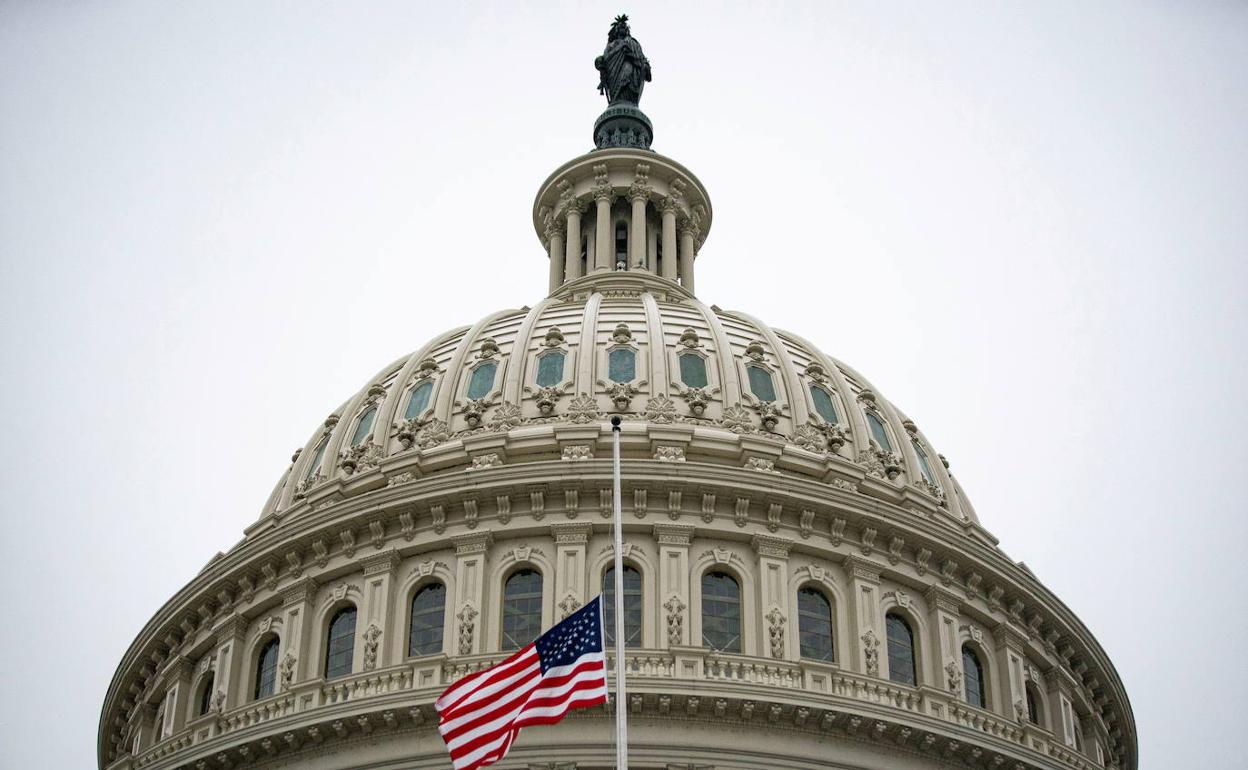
x: 878, y: 432
x: 266, y: 669
x: 924, y: 467
x: 621, y: 244
x: 428, y: 613
x: 901, y: 666
x: 364, y: 427
x: 419, y: 400
x: 315, y: 465
x: 721, y: 612
x: 482, y: 380
x: 973, y: 678
x: 584, y: 254
x: 158, y: 724
x: 341, y: 643
x: 814, y: 625
x: 550, y: 369
x: 632, y: 606
x: 823, y: 404
x: 1033, y: 708
x: 522, y: 608
x: 622, y: 365
x: 204, y: 702
x: 692, y: 370
x: 760, y: 383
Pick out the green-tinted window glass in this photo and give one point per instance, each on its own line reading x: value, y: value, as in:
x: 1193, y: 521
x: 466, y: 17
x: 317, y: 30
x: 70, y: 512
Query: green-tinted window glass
x: 814, y: 619
x: 901, y: 666
x: 878, y: 432
x: 721, y: 612
x: 364, y: 428
x: 693, y: 370
x: 482, y: 380
x: 823, y: 404
x: 266, y: 669
x: 622, y: 365
x: 428, y: 609
x: 315, y: 465
x: 522, y: 609
x: 632, y: 606
x: 419, y: 400
x: 550, y: 370
x: 341, y: 645
x: 973, y: 678
x: 924, y: 468
x: 760, y: 383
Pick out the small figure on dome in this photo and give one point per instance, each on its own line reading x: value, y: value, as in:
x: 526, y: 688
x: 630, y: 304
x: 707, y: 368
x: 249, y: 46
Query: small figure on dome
x: 624, y: 69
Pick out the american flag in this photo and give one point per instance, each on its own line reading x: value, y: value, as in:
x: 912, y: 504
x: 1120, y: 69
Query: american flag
x: 481, y: 714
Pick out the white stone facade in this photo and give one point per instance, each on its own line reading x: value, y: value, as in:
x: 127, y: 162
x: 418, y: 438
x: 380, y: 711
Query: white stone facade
x: 774, y: 488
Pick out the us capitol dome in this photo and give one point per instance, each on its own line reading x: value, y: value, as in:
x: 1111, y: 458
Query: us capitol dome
x: 807, y: 584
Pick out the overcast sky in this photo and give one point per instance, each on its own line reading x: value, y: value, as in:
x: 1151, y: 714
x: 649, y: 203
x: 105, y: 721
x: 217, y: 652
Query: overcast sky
x: 1028, y: 227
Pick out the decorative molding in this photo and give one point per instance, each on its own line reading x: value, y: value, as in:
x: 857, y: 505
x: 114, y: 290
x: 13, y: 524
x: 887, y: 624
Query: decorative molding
x: 476, y: 542
x: 775, y: 547
x: 382, y: 563
x: 673, y: 534
x: 669, y: 454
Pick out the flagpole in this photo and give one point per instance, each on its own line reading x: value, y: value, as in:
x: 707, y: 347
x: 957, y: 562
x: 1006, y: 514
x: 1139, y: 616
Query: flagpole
x: 621, y: 704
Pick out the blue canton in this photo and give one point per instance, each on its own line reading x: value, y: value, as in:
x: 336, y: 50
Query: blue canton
x: 576, y: 635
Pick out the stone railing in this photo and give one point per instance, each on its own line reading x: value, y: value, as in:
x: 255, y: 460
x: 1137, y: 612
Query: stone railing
x: 808, y: 685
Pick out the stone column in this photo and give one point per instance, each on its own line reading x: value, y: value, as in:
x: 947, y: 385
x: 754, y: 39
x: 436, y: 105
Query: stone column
x: 943, y: 612
x: 673, y: 595
x: 638, y: 194
x: 297, y: 599
x: 778, y: 624
x: 571, y: 580
x: 470, y: 553
x: 229, y: 678
x: 862, y: 578
x: 179, y: 698
x: 572, y: 255
x: 604, y: 251
x: 554, y: 239
x: 1009, y: 657
x: 377, y: 622
x: 688, y: 235
x: 670, y: 255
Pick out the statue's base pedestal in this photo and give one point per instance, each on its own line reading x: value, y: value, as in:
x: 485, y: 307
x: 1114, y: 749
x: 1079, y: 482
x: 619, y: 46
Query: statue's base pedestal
x: 623, y: 125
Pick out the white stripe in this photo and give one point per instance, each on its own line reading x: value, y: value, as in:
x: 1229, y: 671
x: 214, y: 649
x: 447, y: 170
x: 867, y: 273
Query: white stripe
x: 467, y: 759
x: 566, y: 687
x: 588, y: 657
x: 486, y: 728
x: 563, y: 706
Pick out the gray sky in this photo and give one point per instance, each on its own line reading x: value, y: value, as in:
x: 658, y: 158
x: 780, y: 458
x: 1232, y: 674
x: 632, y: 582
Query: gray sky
x: 1028, y: 226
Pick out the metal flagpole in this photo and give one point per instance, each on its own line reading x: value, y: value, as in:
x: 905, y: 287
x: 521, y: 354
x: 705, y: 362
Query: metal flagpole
x: 621, y: 705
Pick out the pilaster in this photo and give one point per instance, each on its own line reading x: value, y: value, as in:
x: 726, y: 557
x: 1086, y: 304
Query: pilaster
x: 1010, y: 656
x: 944, y: 611
x: 377, y: 622
x: 674, y: 602
x: 775, y: 638
x: 862, y: 576
x: 470, y: 555
x: 571, y: 579
x: 230, y: 661
x: 297, y: 601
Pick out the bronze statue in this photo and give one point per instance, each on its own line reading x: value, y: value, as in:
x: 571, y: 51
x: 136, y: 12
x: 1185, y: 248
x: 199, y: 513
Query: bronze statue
x: 624, y: 69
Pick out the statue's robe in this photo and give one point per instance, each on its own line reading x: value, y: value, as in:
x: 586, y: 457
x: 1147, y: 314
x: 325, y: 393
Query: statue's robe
x: 624, y: 70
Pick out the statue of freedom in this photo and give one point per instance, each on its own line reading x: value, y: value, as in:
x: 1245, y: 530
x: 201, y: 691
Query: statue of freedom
x: 624, y: 69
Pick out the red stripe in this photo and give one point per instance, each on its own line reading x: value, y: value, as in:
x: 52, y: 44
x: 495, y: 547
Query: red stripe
x: 466, y: 686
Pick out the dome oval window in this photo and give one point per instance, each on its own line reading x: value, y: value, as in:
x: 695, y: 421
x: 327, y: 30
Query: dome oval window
x: 901, y: 666
x: 428, y: 609
x: 266, y: 669
x: 315, y: 465
x: 482, y: 380
x: 761, y: 384
x: 823, y: 404
x: 341, y: 644
x: 879, y: 432
x: 721, y: 612
x: 814, y: 625
x: 924, y: 467
x: 632, y: 606
x: 364, y: 427
x: 522, y: 609
x: 550, y: 369
x: 419, y: 400
x: 622, y: 365
x: 692, y: 370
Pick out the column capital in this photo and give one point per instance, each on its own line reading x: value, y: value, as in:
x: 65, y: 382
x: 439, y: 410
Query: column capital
x: 1009, y: 636
x: 941, y: 598
x: 475, y: 542
x: 574, y: 206
x: 571, y: 532
x: 859, y: 568
x: 604, y: 193
x: 554, y: 228
x: 299, y: 591
x: 640, y: 191
x: 669, y: 205
x: 233, y: 627
x: 673, y: 534
x: 384, y: 562
x: 775, y: 547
